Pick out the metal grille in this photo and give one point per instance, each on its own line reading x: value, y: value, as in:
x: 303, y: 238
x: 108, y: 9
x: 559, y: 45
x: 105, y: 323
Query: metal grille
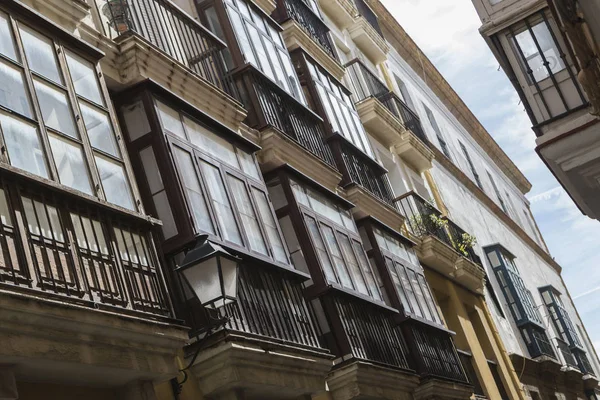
x: 371, y: 333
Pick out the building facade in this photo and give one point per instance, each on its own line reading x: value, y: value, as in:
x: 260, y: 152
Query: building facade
x: 383, y: 242
x: 548, y: 49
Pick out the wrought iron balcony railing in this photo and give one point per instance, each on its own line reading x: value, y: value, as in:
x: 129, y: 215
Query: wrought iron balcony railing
x: 272, y: 106
x: 583, y: 363
x: 78, y: 254
x: 436, y: 355
x: 541, y: 345
x: 269, y: 305
x: 367, y: 174
x: 369, y: 15
x: 367, y: 84
x: 371, y: 333
x: 312, y: 23
x: 175, y: 33
x: 424, y: 219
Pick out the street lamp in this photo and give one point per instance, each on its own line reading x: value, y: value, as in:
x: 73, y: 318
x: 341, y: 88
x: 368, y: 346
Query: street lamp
x: 211, y: 272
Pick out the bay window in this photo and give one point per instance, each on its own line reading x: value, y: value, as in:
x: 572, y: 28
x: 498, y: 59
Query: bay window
x: 262, y: 45
x: 54, y: 118
x: 335, y: 238
x: 224, y: 190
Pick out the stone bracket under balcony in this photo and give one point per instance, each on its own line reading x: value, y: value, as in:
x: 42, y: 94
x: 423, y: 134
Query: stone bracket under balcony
x: 368, y: 40
x: 363, y: 380
x: 365, y: 204
x: 444, y: 259
x: 379, y: 121
x: 65, y: 343
x: 412, y: 150
x: 341, y: 12
x: 136, y: 60
x: 296, y: 37
x: 68, y: 13
x: 253, y: 368
x: 436, y: 389
x: 268, y: 6
x: 278, y: 149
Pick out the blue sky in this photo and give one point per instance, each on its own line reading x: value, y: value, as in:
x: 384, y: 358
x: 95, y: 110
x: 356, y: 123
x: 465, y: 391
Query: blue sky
x: 447, y: 31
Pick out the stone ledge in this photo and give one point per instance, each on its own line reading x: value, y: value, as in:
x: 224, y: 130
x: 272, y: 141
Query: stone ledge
x: 414, y: 151
x: 137, y: 60
x: 67, y: 13
x: 260, y: 370
x: 366, y: 204
x: 278, y: 150
x: 67, y: 343
x: 436, y: 389
x: 363, y: 380
x: 437, y: 255
x: 296, y: 37
x: 379, y: 121
x: 470, y: 275
x: 342, y: 12
x: 369, y: 41
x: 268, y: 6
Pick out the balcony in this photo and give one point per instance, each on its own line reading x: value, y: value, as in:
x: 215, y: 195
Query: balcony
x: 341, y: 12
x: 270, y: 345
x: 563, y: 348
x: 366, y: 33
x: 303, y: 28
x: 72, y: 270
x: 388, y: 119
x: 159, y: 41
x: 444, y: 246
x: 288, y: 128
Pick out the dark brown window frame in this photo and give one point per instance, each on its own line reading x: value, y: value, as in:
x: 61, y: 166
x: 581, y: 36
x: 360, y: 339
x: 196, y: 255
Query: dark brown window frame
x: 56, y: 268
x: 62, y: 41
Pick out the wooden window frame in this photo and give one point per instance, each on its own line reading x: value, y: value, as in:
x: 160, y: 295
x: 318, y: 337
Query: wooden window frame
x: 61, y: 44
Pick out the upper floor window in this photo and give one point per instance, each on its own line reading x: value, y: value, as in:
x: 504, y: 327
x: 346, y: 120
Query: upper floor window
x: 559, y: 316
x: 55, y: 118
x: 438, y: 132
x: 471, y: 165
x: 336, y: 242
x: 498, y: 195
x: 405, y: 93
x: 407, y: 276
x: 339, y: 108
x: 539, y: 53
x: 261, y: 45
x: 223, y: 186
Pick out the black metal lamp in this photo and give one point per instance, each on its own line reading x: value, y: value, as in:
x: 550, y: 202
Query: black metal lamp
x: 211, y: 272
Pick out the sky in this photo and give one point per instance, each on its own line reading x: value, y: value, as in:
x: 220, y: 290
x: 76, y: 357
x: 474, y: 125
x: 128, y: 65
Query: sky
x: 447, y: 31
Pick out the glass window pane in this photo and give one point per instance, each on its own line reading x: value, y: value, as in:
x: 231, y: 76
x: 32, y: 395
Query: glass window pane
x: 336, y: 255
x: 367, y: 271
x: 240, y: 33
x: 170, y: 119
x: 5, y: 215
x: 115, y: 182
x: 409, y: 290
x: 84, y: 79
x: 420, y: 296
x: 222, y: 206
x: 429, y: 299
x: 353, y: 264
x: 249, y: 165
x: 39, y: 51
x: 194, y: 191
x: 165, y: 214
x: 211, y: 143
x: 247, y: 214
x: 398, y: 284
x: 300, y: 194
x: 99, y: 129
x: 7, y: 45
x: 532, y: 55
x: 322, y: 253
x: 70, y: 163
x: 270, y: 225
x: 12, y: 90
x: 23, y: 145
x: 56, y: 110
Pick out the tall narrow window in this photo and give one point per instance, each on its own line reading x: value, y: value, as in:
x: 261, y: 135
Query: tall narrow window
x: 438, y: 132
x: 498, y: 195
x: 471, y: 165
x: 247, y: 215
x: 540, y: 53
x: 405, y: 93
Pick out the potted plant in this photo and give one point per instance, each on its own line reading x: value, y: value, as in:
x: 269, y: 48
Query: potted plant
x: 117, y: 12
